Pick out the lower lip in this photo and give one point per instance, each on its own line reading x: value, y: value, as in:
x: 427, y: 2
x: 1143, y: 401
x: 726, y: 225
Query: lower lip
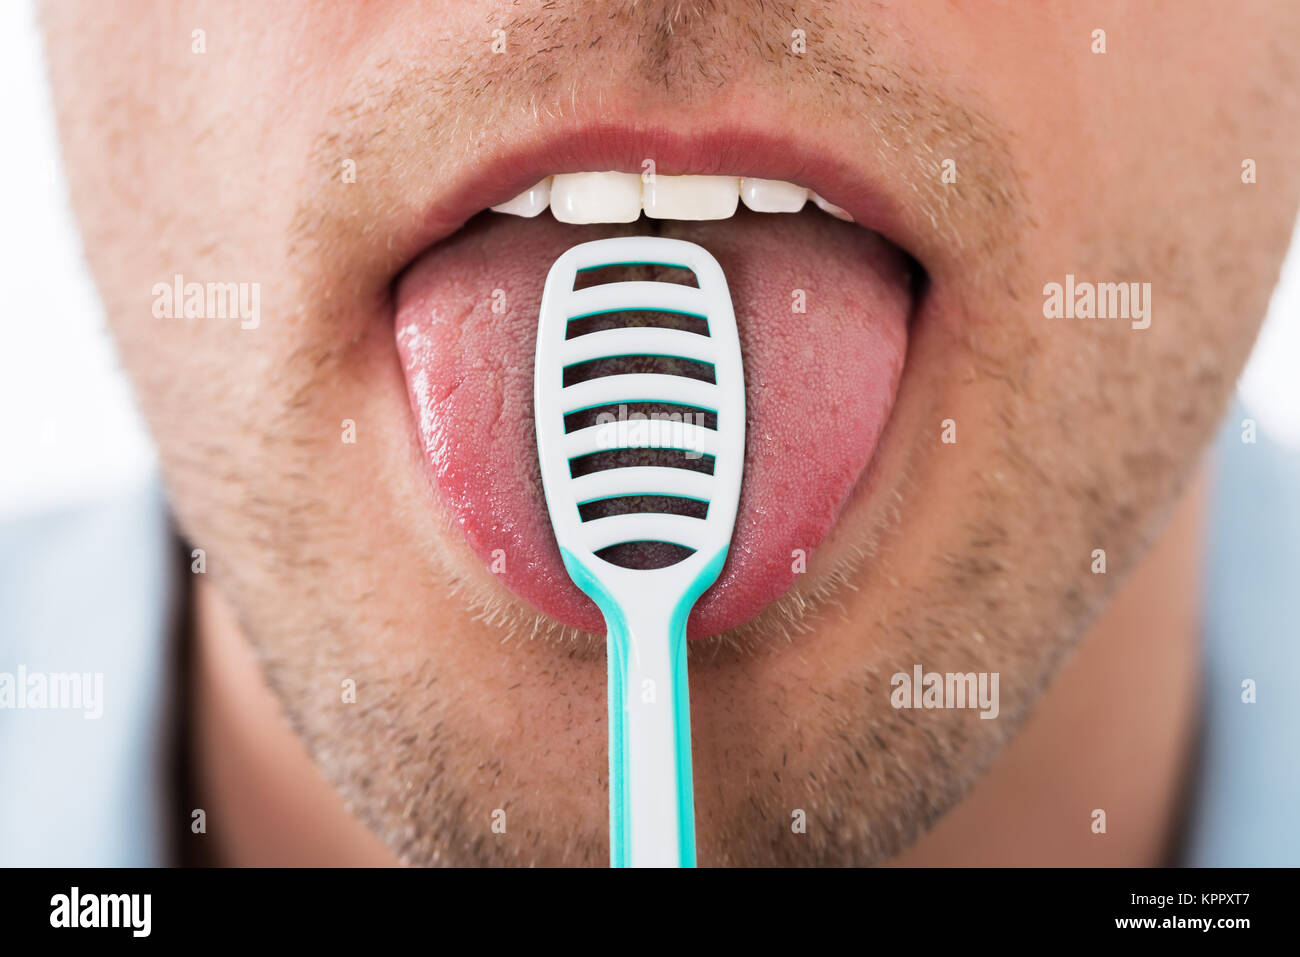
x: 820, y: 387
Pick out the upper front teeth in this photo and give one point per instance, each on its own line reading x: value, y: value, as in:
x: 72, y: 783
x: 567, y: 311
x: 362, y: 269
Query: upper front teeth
x: 772, y: 195
x: 620, y: 197
x: 831, y: 208
x: 596, y: 197
x: 690, y: 197
x: 530, y: 202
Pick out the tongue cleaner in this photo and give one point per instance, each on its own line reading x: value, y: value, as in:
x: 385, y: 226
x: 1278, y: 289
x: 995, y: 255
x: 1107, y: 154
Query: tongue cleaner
x: 651, y: 799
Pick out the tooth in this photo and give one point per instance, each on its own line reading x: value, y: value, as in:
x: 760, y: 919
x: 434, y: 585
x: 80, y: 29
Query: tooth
x: 528, y: 203
x: 691, y: 197
x: 772, y: 195
x: 831, y: 208
x: 596, y: 197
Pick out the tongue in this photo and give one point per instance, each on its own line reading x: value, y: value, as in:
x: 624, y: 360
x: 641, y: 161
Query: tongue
x: 820, y: 384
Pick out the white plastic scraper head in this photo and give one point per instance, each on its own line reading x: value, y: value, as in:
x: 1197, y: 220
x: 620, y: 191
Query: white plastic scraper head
x: 605, y: 494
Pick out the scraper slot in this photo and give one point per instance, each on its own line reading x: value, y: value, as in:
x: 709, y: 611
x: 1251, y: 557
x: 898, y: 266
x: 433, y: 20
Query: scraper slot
x: 632, y: 272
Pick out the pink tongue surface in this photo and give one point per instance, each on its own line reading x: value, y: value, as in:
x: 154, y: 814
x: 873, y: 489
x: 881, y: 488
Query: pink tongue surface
x: 822, y: 308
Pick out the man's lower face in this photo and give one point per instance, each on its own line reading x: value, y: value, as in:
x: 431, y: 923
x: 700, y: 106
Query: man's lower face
x: 934, y: 450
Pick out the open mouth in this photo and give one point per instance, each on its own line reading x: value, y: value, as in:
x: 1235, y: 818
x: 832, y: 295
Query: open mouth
x: 822, y: 304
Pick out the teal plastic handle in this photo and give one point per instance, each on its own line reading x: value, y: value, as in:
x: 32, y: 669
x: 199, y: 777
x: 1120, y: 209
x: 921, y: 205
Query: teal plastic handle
x: 618, y: 645
x: 617, y: 642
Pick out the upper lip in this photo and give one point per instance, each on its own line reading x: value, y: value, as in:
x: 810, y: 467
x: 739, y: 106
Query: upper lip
x: 505, y: 171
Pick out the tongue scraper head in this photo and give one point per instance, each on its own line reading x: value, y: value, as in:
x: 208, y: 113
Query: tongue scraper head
x: 651, y: 797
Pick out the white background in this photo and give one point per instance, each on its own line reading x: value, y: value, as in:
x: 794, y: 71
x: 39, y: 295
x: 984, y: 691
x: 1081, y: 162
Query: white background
x: 68, y: 427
